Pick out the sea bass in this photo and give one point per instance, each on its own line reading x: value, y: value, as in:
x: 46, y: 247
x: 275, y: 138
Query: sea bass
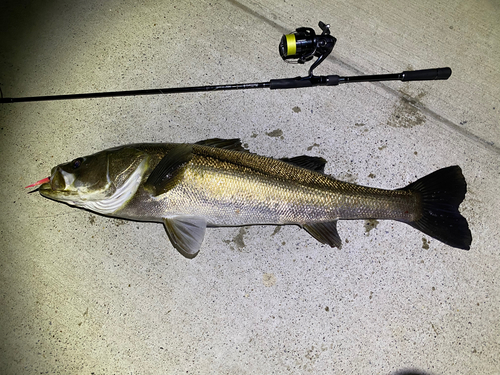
x: 216, y: 182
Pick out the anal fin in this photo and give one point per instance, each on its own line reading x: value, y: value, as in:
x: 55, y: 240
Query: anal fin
x: 325, y: 233
x: 186, y: 233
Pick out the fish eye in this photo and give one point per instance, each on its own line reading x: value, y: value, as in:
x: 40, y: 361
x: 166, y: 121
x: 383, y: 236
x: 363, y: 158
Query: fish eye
x: 77, y: 163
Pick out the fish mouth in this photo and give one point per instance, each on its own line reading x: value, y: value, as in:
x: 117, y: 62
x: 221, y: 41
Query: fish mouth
x: 57, y: 187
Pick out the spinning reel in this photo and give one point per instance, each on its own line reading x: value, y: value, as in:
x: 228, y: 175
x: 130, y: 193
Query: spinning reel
x: 303, y: 44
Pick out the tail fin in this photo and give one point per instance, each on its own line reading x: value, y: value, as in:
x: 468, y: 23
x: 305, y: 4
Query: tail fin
x: 442, y: 192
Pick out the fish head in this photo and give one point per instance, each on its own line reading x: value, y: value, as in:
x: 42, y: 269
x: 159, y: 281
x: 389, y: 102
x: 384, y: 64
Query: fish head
x: 100, y: 177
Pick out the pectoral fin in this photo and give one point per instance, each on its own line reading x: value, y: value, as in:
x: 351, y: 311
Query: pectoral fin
x: 163, y: 176
x: 186, y: 234
x: 325, y: 233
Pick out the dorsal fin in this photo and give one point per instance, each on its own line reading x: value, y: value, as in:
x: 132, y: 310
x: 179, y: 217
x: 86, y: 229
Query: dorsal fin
x: 312, y: 163
x: 168, y: 168
x: 228, y: 144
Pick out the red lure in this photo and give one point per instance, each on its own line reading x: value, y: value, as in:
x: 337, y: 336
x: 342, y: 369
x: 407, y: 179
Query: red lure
x: 45, y: 180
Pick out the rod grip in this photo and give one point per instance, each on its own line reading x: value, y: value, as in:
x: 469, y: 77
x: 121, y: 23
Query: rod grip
x: 290, y: 83
x: 426, y: 74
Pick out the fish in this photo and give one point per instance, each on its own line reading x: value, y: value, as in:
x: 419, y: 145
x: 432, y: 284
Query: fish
x: 218, y: 183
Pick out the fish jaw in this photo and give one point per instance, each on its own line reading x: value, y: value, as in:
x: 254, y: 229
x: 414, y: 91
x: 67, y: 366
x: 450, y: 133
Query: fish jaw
x: 57, y: 195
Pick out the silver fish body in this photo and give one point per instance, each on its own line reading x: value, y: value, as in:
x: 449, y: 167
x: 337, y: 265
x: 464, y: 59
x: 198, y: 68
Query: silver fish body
x: 217, y: 183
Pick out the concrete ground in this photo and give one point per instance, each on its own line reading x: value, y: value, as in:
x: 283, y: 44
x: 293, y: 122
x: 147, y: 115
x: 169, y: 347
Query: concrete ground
x: 86, y: 294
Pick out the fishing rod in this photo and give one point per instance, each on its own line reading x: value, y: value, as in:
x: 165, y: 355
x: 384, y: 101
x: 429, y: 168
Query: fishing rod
x: 300, y: 46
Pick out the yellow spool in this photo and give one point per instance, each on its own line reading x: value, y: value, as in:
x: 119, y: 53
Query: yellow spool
x: 291, y: 45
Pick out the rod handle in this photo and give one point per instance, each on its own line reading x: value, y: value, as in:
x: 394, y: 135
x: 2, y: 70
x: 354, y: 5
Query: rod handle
x: 290, y: 83
x: 426, y: 74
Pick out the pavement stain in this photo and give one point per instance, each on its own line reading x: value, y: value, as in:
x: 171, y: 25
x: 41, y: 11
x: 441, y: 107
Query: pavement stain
x: 425, y: 243
x: 268, y: 279
x: 370, y: 224
x: 311, y: 147
x: 277, y: 133
x: 237, y: 241
x: 406, y: 113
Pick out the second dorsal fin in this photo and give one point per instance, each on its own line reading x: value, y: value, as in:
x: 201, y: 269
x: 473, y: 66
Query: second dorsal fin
x: 313, y: 163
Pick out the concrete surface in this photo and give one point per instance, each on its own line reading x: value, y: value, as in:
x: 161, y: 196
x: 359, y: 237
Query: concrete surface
x: 85, y: 294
